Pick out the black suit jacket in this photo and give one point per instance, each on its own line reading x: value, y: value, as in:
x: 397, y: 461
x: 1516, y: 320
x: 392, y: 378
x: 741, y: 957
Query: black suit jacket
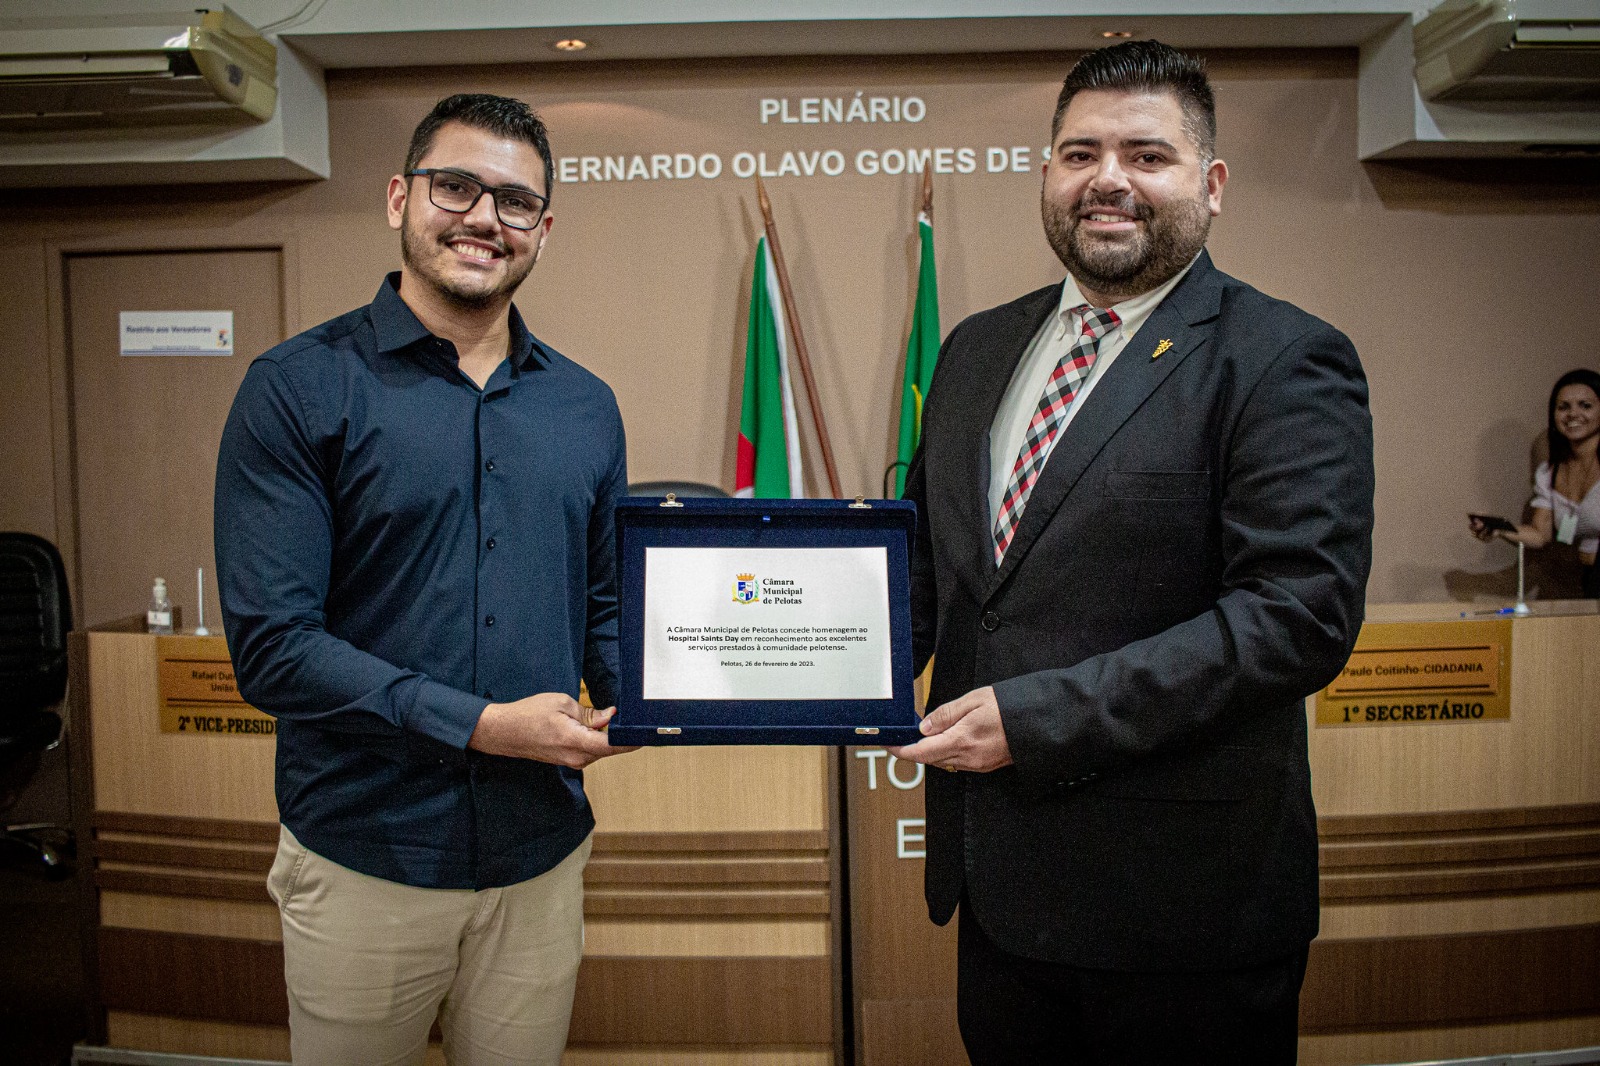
x: 1191, y: 564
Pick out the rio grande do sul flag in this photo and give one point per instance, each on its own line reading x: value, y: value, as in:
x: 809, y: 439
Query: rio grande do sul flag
x: 768, y: 464
x: 922, y: 351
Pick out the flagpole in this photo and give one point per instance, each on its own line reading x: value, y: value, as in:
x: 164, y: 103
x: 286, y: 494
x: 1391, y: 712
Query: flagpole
x: 799, y: 339
x: 922, y: 343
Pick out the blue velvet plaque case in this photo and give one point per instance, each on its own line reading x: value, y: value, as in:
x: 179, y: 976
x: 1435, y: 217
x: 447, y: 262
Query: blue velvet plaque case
x: 645, y: 522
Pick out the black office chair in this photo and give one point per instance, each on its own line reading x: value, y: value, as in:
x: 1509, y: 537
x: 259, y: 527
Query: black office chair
x: 685, y: 489
x: 35, y: 615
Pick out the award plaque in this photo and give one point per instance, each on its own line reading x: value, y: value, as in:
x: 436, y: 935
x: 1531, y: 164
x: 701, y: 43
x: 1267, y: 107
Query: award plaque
x: 764, y: 622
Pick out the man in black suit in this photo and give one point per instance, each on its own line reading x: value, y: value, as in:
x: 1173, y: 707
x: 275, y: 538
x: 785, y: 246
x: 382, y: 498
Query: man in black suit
x: 1145, y: 517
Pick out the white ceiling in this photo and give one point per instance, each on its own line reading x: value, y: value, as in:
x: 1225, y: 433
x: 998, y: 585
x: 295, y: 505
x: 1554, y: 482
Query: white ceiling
x: 366, y: 33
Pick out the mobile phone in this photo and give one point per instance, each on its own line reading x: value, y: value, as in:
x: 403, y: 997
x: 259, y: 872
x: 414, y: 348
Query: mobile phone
x: 1494, y: 523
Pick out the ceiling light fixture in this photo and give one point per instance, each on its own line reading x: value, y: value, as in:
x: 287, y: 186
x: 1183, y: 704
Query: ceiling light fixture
x: 570, y: 44
x: 1116, y: 34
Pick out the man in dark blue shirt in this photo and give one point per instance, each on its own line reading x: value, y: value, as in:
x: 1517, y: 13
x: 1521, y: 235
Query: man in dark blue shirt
x: 415, y: 547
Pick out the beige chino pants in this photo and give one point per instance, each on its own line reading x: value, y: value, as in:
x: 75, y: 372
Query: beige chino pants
x: 370, y: 963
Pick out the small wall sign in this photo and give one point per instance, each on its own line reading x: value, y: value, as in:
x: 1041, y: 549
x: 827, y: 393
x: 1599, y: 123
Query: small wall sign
x: 177, y: 332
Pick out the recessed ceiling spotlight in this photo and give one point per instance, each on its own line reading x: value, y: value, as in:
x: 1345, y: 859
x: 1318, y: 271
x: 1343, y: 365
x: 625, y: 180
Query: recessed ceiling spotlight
x: 570, y: 44
x: 1118, y: 34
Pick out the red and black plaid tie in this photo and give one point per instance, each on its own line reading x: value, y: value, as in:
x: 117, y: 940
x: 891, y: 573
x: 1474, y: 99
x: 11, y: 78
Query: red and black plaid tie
x: 1059, y: 392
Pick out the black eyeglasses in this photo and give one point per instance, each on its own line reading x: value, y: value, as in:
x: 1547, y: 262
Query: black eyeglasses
x: 458, y: 193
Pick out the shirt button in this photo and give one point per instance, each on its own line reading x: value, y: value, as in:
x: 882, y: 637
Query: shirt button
x: 991, y: 622
x: 489, y: 621
x: 489, y: 465
x: 489, y: 544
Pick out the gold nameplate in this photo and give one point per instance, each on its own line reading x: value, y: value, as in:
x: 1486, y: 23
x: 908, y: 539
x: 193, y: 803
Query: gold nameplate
x: 1423, y: 673
x: 198, y: 693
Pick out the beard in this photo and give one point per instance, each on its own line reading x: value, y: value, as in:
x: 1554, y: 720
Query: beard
x: 1123, y: 266
x: 422, y: 256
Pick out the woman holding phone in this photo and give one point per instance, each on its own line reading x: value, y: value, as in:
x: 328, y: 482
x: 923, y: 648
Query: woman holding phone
x: 1566, y: 489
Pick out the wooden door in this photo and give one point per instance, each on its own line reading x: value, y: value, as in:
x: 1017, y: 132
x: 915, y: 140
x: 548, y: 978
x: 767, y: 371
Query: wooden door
x: 145, y: 429
x: 904, y: 967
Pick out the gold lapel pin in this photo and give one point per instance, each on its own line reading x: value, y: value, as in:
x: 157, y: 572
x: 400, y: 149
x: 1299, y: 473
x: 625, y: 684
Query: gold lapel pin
x: 1163, y: 346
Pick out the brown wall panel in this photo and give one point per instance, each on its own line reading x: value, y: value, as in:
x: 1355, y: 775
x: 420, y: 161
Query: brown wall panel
x: 619, y: 1000
x: 193, y: 976
x: 1529, y: 877
x: 703, y: 1000
x: 910, y: 1032
x: 705, y: 903
x: 163, y: 884
x: 26, y: 438
x: 1411, y: 982
x: 1335, y: 828
x: 746, y: 842
x: 718, y: 871
x: 1460, y: 852
x: 144, y: 853
x: 1407, y: 982
x: 1503, y: 847
x: 170, y: 825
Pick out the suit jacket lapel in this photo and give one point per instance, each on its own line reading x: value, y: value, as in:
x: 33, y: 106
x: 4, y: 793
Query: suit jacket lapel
x: 1181, y: 318
x: 994, y: 361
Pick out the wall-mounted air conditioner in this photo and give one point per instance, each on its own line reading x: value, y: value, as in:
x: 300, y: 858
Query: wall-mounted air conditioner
x: 1488, y: 78
x: 1509, y: 50
x: 189, y: 66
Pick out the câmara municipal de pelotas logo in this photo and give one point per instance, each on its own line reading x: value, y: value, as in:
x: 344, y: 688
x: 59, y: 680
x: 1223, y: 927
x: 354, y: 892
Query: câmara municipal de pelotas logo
x: 745, y: 589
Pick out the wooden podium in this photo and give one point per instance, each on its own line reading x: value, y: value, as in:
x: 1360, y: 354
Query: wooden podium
x: 1460, y: 876
x: 1460, y: 858
x: 711, y: 909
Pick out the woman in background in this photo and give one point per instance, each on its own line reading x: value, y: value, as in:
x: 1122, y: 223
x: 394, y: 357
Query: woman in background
x: 1566, y: 489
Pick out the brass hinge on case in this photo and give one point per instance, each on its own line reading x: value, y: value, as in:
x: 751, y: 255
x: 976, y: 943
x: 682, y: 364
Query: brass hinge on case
x: 671, y: 500
x: 866, y: 730
x: 668, y: 730
x: 861, y: 504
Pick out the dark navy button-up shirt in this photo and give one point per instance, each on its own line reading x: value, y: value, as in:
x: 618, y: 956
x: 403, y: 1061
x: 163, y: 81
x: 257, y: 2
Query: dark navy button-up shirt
x: 397, y: 549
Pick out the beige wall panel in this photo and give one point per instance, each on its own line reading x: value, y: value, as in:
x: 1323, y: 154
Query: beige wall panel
x: 197, y: 917
x: 662, y: 1055
x: 1354, y: 1049
x: 1393, y: 254
x: 184, y: 1036
x: 721, y: 789
x: 1547, y: 753
x: 1445, y: 917
x: 125, y: 1029
x: 646, y: 282
x: 757, y: 938
x: 141, y: 770
x: 697, y: 1056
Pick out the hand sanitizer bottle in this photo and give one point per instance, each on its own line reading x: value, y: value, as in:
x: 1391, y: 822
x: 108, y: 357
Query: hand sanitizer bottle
x: 158, y: 619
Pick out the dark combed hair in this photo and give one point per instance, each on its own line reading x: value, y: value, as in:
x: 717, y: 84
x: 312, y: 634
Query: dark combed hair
x: 499, y: 115
x: 1560, y: 447
x: 1148, y: 67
